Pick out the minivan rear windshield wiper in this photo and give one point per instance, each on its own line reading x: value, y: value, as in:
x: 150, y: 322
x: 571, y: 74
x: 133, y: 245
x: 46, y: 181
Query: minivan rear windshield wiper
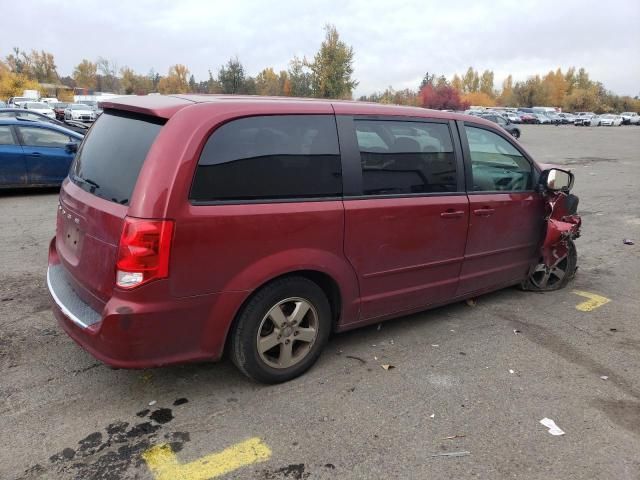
x: 88, y: 181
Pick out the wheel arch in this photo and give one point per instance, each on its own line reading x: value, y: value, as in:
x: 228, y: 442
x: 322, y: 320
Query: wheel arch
x: 326, y: 282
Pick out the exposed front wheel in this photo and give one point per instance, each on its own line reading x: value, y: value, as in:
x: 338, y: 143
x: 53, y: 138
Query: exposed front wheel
x: 281, y: 330
x: 516, y: 133
x: 545, y: 278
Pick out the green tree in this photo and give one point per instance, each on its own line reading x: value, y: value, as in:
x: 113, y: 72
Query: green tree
x: 470, y: 81
x: 85, y: 74
x: 299, y: 78
x: 332, y: 67
x: 486, y: 83
x: 43, y: 67
x: 231, y: 77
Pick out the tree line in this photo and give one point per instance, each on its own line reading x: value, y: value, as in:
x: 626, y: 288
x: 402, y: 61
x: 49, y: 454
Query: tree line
x: 328, y: 74
x: 572, y: 90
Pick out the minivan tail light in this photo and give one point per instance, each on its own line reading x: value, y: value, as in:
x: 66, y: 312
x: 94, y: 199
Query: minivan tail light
x: 143, y: 253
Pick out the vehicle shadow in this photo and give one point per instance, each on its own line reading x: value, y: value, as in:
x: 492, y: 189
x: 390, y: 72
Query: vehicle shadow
x: 25, y: 191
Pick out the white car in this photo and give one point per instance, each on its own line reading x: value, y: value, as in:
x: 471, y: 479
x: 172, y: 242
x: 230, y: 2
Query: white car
x: 79, y: 112
x: 610, y: 120
x: 40, y: 107
x: 630, y: 118
x: 49, y: 100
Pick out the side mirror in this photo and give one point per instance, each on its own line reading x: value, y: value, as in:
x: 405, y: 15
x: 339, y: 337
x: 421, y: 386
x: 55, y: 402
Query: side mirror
x: 556, y: 180
x: 72, y: 147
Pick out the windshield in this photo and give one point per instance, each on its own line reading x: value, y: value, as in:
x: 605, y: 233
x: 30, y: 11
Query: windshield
x: 111, y: 156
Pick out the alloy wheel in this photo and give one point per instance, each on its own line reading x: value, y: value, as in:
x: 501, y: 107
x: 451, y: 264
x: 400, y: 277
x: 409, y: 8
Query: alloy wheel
x: 287, y: 332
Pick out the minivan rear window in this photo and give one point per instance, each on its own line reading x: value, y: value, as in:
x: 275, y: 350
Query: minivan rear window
x: 275, y: 157
x: 110, y: 158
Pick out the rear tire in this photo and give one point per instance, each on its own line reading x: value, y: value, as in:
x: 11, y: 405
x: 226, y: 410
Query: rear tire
x: 281, y: 331
x: 545, y: 279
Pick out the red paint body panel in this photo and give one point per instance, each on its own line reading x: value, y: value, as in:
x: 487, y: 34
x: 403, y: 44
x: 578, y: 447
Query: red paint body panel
x: 406, y: 254
x: 503, y: 242
x: 387, y: 256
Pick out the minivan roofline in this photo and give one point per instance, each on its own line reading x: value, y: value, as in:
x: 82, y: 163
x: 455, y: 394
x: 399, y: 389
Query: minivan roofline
x: 165, y: 106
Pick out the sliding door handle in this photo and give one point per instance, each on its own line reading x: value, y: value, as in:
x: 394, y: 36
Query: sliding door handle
x: 484, y: 212
x: 452, y: 214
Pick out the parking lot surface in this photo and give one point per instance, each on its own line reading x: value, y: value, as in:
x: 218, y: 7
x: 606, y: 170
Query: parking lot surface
x: 468, y: 388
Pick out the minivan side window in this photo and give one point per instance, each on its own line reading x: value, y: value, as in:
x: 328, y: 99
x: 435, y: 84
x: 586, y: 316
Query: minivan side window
x: 497, y: 165
x: 399, y: 157
x: 269, y: 158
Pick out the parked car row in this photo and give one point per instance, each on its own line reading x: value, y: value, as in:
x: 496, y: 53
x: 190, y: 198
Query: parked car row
x: 531, y: 116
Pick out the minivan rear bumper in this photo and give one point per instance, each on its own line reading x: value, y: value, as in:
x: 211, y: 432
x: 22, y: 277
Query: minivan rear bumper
x: 146, y: 333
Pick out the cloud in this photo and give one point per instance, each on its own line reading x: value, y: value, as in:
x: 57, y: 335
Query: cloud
x: 395, y: 43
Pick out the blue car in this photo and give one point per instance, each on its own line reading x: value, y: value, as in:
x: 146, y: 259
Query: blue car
x: 35, y: 153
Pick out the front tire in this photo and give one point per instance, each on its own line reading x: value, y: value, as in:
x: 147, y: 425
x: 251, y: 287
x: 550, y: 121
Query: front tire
x: 516, y: 133
x: 555, y: 277
x: 281, y: 331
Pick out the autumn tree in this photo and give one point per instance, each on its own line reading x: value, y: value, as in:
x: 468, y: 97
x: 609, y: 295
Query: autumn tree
x: 442, y: 97
x: 299, y: 78
x: 332, y: 67
x: 478, y: 99
x: 14, y: 84
x: 176, y: 80
x: 85, y: 73
x: 268, y: 82
x: 285, y: 83
x: 132, y: 83
x: 556, y: 86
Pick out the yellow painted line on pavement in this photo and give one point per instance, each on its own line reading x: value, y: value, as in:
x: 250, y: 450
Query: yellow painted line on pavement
x: 595, y: 301
x: 164, y: 464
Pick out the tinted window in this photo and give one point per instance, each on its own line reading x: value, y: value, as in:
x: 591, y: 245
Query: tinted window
x: 405, y: 157
x: 496, y: 164
x: 274, y: 157
x: 112, y: 154
x: 42, y: 137
x: 6, y: 138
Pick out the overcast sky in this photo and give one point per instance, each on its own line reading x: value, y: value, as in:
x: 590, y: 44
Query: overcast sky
x: 395, y: 42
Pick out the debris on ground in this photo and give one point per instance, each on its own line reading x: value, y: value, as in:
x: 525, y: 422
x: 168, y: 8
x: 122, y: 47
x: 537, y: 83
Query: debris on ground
x: 470, y: 302
x: 452, y: 454
x: 604, y: 377
x: 435, y: 345
x: 353, y: 357
x: 453, y: 437
x: 628, y: 241
x: 511, y: 371
x: 551, y: 425
x: 379, y: 326
x: 433, y: 415
x: 613, y: 329
x: 386, y: 366
x: 516, y: 331
x: 152, y: 403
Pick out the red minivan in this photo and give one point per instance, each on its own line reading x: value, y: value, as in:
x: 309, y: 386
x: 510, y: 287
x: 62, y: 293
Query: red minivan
x: 190, y: 224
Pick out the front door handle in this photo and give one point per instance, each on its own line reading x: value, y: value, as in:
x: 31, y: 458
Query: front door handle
x: 452, y: 214
x: 35, y: 154
x: 484, y: 211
